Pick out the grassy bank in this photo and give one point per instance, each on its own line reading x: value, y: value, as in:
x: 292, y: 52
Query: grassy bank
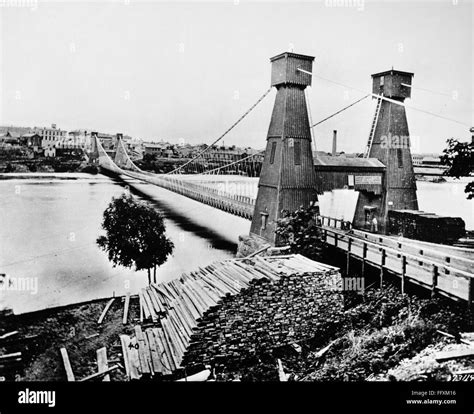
x: 75, y: 327
x: 379, y: 332
x: 383, y: 335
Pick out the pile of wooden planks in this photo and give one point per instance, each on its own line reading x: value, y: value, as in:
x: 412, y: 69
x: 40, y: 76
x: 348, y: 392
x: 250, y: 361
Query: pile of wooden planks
x: 176, y: 307
x: 11, y: 360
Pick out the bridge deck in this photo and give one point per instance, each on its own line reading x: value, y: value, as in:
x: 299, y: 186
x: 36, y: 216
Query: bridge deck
x: 449, y: 272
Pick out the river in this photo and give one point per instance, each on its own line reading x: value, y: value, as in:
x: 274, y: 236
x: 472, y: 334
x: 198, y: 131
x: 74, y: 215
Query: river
x: 48, y: 228
x: 49, y: 224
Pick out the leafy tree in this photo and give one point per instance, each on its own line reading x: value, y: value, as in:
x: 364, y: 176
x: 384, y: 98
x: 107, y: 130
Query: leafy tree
x: 299, y: 231
x: 149, y: 158
x: 135, y: 235
x: 459, y: 157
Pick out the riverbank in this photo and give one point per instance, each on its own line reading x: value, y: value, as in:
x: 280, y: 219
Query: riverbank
x: 46, y: 165
x: 41, y: 334
x: 382, y: 336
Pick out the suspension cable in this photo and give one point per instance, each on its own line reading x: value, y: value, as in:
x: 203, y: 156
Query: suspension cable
x: 308, y: 109
x: 235, y: 162
x: 396, y: 102
x: 341, y: 110
x: 225, y: 133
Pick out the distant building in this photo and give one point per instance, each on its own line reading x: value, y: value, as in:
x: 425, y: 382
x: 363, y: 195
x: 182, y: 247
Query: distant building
x: 426, y: 160
x: 363, y: 175
x: 32, y: 141
x: 157, y: 149
x: 10, y: 138
x: 49, y: 139
x: 108, y: 141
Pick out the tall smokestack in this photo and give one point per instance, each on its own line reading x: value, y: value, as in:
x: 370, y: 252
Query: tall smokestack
x: 334, y: 143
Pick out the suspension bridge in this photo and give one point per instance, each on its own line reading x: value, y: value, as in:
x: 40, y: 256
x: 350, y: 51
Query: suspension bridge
x: 288, y: 180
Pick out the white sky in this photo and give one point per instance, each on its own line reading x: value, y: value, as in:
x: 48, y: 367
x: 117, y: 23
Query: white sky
x: 162, y: 70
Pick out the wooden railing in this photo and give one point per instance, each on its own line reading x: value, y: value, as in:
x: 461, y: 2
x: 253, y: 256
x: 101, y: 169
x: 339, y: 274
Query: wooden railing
x: 447, y: 275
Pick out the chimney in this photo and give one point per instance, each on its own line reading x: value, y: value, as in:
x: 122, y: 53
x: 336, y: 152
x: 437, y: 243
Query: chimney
x: 472, y: 135
x: 334, y: 143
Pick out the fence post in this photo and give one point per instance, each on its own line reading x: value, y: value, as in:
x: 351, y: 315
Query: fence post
x: 404, y: 271
x: 470, y: 297
x: 434, y: 282
x: 364, y: 255
x: 348, y: 258
x: 382, y: 265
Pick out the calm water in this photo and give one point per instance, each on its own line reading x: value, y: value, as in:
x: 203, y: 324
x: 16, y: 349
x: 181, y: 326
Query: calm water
x: 48, y: 228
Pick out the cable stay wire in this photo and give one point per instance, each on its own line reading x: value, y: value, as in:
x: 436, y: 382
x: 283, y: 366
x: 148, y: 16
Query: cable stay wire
x: 341, y: 110
x: 235, y: 162
x: 224, y: 134
x: 308, y: 109
x: 396, y: 102
x: 441, y: 94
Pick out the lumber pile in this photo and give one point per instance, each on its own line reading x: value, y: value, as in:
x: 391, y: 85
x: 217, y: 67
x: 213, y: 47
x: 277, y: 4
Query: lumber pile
x: 175, y: 308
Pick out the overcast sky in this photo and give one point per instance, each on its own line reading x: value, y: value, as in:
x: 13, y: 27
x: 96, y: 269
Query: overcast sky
x: 187, y: 70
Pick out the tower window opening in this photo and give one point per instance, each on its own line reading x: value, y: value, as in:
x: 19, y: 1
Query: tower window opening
x: 272, y: 153
x: 297, y: 151
x: 382, y: 80
x: 400, y: 158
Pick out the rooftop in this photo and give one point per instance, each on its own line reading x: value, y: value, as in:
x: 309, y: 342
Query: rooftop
x: 392, y: 72
x: 291, y: 54
x: 328, y: 161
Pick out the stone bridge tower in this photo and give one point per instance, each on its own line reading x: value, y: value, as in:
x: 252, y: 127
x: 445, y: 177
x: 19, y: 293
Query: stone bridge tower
x: 389, y: 141
x: 287, y: 179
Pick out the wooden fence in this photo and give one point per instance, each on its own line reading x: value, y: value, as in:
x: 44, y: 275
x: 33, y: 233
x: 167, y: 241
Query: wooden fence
x: 446, y: 274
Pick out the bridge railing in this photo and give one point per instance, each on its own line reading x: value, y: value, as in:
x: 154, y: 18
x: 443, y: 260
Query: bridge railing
x: 453, y: 279
x: 233, y: 203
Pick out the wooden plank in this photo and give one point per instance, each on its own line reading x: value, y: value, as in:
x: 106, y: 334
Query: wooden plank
x: 148, y: 307
x: 104, y: 312
x: 133, y: 359
x: 67, y: 365
x: 12, y: 355
x: 180, y: 333
x: 156, y: 302
x: 100, y: 374
x: 180, y: 321
x: 125, y: 308
x: 162, y: 351
x: 142, y: 351
x: 8, y: 335
x: 125, y: 342
x: 172, y: 343
x: 195, y: 303
x: 167, y: 348
x: 160, y: 288
x: 219, y: 288
x: 198, y: 377
x: 185, y: 315
x: 155, y: 357
x: 456, y: 354
x: 151, y: 305
x: 102, y: 363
